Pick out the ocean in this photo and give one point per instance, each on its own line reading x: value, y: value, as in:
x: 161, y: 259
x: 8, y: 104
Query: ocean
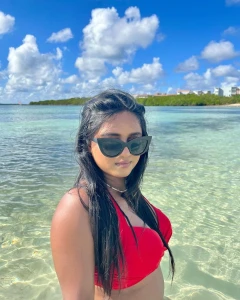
x: 193, y: 176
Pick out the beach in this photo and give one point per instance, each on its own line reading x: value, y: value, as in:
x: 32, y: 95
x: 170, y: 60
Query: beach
x: 193, y: 176
x: 234, y: 104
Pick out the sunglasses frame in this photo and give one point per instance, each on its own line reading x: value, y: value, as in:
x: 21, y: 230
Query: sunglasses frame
x: 99, y: 141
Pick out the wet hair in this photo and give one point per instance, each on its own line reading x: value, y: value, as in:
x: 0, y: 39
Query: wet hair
x: 102, y: 214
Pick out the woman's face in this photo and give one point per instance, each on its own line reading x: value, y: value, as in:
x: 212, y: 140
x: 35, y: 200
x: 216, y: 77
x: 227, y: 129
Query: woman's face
x: 124, y: 126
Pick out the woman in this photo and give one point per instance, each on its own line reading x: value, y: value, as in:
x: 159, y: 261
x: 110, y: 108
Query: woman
x: 107, y: 239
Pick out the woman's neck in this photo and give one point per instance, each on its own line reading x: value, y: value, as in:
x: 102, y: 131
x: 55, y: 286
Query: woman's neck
x: 116, y: 184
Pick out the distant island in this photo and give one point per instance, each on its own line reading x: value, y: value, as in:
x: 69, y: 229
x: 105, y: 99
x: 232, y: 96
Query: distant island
x: 10, y: 104
x: 164, y: 100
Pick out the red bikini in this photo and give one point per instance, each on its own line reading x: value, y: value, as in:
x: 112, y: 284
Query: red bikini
x: 143, y: 260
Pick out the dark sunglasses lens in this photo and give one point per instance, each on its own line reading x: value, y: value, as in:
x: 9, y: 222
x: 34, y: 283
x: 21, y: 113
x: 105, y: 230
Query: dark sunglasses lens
x: 110, y: 147
x: 138, y: 146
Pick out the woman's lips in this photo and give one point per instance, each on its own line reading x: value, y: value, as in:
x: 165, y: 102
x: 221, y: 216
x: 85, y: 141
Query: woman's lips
x: 123, y: 164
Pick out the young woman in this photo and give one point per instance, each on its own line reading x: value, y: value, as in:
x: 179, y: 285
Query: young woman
x: 107, y: 239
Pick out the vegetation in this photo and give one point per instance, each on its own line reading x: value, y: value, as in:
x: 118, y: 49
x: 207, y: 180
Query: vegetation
x: 173, y: 100
x: 71, y: 101
x: 8, y: 103
x: 188, y: 100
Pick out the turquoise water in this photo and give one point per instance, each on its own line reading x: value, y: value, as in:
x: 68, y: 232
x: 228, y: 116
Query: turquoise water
x: 193, y: 176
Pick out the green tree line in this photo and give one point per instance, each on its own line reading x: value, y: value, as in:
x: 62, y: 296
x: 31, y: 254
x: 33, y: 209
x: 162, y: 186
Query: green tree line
x: 71, y: 101
x: 173, y: 100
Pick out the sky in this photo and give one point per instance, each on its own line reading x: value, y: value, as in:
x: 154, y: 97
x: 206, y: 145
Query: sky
x: 60, y: 49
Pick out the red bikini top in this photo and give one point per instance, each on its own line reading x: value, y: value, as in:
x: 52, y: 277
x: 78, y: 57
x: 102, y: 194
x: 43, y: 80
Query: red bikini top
x: 144, y: 259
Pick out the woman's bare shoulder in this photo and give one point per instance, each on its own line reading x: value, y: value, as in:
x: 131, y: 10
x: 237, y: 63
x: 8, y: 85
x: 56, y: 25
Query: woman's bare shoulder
x: 71, y: 201
x: 72, y: 245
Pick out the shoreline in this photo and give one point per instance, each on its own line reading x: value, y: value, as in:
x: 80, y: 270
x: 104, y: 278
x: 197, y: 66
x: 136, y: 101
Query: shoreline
x: 227, y: 105
x: 217, y: 105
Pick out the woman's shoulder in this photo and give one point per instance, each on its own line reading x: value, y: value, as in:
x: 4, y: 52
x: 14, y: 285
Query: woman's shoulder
x: 70, y: 204
x: 73, y: 196
x: 70, y: 235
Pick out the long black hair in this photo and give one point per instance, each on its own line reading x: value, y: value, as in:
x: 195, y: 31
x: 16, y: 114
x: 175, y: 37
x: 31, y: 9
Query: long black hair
x: 102, y: 214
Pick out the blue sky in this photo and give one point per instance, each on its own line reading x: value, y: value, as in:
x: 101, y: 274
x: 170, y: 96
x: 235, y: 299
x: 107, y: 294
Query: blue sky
x: 61, y: 49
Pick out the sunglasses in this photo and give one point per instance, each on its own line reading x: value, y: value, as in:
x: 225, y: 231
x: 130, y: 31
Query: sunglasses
x: 113, y: 147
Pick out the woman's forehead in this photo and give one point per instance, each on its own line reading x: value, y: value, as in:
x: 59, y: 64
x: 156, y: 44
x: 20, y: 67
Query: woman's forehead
x: 121, y: 124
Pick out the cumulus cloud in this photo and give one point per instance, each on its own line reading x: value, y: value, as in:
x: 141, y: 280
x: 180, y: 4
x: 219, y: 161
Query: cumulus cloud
x: 88, y: 87
x: 71, y: 79
x: 230, y: 81
x: 194, y: 81
x: 59, y: 54
x: 61, y: 36
x: 91, y: 67
x: 216, y: 52
x: 110, y: 39
x: 148, y: 87
x: 147, y: 74
x: 212, y: 78
x: 6, y: 23
x: 232, y: 31
x: 172, y: 90
x: 232, y: 2
x: 191, y: 64
x: 33, y: 76
x: 225, y: 70
x: 144, y: 77
x: 30, y: 70
x: 3, y: 75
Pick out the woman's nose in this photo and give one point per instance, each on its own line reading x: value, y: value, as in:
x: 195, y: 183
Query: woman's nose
x: 126, y: 151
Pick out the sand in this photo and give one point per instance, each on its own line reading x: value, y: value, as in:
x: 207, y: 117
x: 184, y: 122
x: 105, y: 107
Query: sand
x: 234, y: 104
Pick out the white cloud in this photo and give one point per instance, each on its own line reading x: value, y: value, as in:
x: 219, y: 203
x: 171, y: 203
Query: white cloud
x: 61, y: 36
x: 88, y: 88
x: 59, y: 54
x: 33, y: 76
x: 147, y: 74
x: 29, y: 70
x: 109, y: 82
x: 91, y: 66
x: 210, y: 79
x: 6, y: 23
x: 230, y: 81
x: 191, y: 64
x: 194, y: 81
x: 232, y: 31
x: 225, y: 70
x: 172, y: 90
x: 144, y: 77
x: 110, y: 39
x: 232, y: 2
x: 148, y: 87
x: 216, y: 52
x: 71, y: 79
x: 3, y: 75
x: 132, y: 90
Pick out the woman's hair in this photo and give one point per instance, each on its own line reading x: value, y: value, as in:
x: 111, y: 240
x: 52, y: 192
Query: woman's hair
x: 103, y: 217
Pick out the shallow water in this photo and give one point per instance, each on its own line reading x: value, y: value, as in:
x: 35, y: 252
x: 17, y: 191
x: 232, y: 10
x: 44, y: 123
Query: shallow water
x: 193, y: 176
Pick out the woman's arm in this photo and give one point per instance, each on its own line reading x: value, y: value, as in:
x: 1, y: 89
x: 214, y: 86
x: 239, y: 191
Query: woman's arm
x: 72, y: 247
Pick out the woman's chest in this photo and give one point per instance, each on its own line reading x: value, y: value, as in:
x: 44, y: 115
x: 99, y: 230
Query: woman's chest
x: 142, y: 247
